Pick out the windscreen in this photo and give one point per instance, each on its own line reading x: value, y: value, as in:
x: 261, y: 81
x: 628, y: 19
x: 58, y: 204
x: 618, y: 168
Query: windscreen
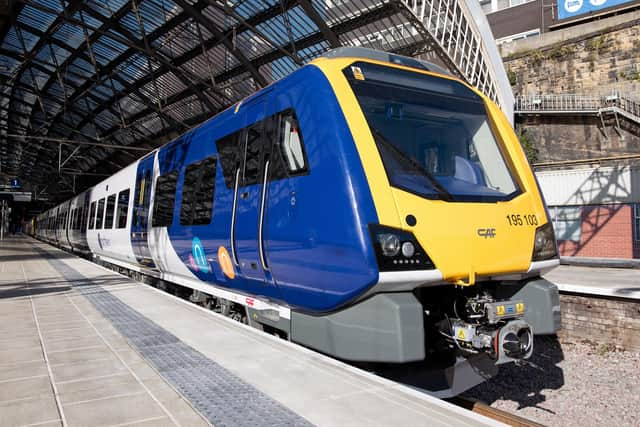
x: 433, y: 135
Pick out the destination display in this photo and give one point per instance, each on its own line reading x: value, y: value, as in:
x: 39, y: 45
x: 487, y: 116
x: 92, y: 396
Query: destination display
x: 573, y: 8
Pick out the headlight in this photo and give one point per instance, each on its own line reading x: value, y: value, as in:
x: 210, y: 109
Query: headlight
x: 544, y: 246
x: 390, y: 244
x: 398, y: 250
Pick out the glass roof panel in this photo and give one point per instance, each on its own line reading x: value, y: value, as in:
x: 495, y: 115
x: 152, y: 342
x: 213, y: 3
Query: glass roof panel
x: 37, y: 18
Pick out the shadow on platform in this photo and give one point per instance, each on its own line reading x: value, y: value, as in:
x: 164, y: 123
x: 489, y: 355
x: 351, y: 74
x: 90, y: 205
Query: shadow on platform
x: 524, y: 383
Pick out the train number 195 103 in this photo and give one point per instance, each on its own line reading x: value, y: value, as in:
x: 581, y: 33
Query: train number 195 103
x: 517, y: 219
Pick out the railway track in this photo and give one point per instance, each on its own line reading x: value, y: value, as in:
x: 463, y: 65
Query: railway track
x: 493, y: 413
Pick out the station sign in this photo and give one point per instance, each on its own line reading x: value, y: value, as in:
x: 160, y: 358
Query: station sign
x: 572, y: 8
x: 15, y: 183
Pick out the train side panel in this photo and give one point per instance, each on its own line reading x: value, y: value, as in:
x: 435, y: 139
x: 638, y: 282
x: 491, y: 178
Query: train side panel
x: 315, y: 239
x: 108, y: 234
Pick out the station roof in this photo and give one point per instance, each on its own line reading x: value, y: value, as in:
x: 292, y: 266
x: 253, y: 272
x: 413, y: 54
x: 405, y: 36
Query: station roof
x: 86, y: 87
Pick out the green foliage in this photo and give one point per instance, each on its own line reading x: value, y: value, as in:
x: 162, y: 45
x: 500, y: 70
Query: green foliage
x: 561, y: 51
x: 536, y: 57
x: 528, y: 145
x: 513, y: 78
x: 596, y: 44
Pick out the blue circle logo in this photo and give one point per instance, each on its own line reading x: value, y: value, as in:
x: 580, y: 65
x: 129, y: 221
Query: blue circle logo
x: 199, y: 257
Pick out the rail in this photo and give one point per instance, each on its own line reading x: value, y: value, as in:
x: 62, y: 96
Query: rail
x: 493, y: 413
x: 615, y: 103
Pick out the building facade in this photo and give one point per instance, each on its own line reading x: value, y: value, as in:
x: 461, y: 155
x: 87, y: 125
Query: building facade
x: 595, y: 210
x: 518, y: 19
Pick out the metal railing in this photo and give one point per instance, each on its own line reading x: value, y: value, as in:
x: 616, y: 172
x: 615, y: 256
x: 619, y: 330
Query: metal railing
x: 579, y: 104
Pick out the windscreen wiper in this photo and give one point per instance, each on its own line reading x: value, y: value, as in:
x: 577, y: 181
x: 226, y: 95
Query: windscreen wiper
x: 417, y: 166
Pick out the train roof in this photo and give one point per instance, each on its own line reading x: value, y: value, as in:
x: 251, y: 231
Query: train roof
x: 377, y: 55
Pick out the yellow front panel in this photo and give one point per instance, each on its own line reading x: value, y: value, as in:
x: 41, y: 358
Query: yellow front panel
x: 464, y: 239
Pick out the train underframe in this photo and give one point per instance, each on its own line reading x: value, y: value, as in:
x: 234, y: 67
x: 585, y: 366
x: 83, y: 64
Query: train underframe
x: 443, y: 339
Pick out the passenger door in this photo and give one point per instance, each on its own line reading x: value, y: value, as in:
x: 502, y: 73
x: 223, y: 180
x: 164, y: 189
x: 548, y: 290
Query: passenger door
x: 247, y: 240
x: 140, y: 212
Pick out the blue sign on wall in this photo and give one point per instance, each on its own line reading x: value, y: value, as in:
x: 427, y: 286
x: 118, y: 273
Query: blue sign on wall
x: 573, y: 8
x: 15, y: 183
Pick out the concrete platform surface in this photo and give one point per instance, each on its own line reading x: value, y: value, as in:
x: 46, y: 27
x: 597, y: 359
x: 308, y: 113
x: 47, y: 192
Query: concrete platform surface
x: 82, y: 352
x: 613, y: 282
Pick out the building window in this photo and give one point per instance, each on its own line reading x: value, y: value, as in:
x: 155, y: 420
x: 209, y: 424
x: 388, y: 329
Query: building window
x: 92, y: 215
x: 636, y: 221
x: 100, y: 214
x: 567, y: 223
x: 164, y: 200
x: 108, y: 217
x: 123, y: 208
x: 198, y: 192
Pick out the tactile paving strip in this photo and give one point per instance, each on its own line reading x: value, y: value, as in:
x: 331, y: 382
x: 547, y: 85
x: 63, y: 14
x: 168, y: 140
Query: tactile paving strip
x: 220, y: 396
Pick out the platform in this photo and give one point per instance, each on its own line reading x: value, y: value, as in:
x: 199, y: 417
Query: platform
x: 610, y: 282
x: 82, y: 345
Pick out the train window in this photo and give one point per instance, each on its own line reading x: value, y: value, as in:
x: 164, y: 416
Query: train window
x: 100, y: 214
x: 229, y: 152
x: 290, y: 144
x: 73, y: 223
x: 123, y: 208
x: 197, y: 192
x: 252, y: 159
x: 164, y: 200
x: 80, y: 218
x: 92, y: 215
x: 108, y: 216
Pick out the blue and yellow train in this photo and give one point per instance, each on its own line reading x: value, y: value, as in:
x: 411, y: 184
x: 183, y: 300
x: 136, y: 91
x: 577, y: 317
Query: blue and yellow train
x: 368, y: 206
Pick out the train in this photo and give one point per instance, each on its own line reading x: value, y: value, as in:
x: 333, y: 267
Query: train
x: 369, y: 206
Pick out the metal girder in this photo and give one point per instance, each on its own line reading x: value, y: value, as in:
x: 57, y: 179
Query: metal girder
x: 212, y: 27
x: 228, y: 10
x: 76, y: 142
x: 313, y: 14
x: 175, y: 21
x: 28, y: 56
x: 372, y: 15
x: 135, y: 44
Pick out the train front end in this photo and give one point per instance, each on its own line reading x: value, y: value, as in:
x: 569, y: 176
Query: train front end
x: 463, y: 230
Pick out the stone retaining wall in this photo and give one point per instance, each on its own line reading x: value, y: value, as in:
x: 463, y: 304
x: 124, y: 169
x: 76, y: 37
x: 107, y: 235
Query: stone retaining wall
x: 594, y: 58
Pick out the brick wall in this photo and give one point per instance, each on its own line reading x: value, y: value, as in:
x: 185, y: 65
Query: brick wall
x: 601, y: 320
x: 607, y: 232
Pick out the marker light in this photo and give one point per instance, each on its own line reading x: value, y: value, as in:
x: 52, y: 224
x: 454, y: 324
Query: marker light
x: 408, y: 249
x: 544, y: 246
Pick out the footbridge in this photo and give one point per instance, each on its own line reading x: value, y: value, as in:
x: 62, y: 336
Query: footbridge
x: 616, y: 104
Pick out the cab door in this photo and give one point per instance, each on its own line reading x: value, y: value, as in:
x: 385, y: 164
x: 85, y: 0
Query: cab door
x: 140, y: 212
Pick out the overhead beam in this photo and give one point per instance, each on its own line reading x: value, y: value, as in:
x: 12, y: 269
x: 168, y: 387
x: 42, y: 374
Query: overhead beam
x: 212, y: 27
x: 76, y: 142
x: 313, y: 14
